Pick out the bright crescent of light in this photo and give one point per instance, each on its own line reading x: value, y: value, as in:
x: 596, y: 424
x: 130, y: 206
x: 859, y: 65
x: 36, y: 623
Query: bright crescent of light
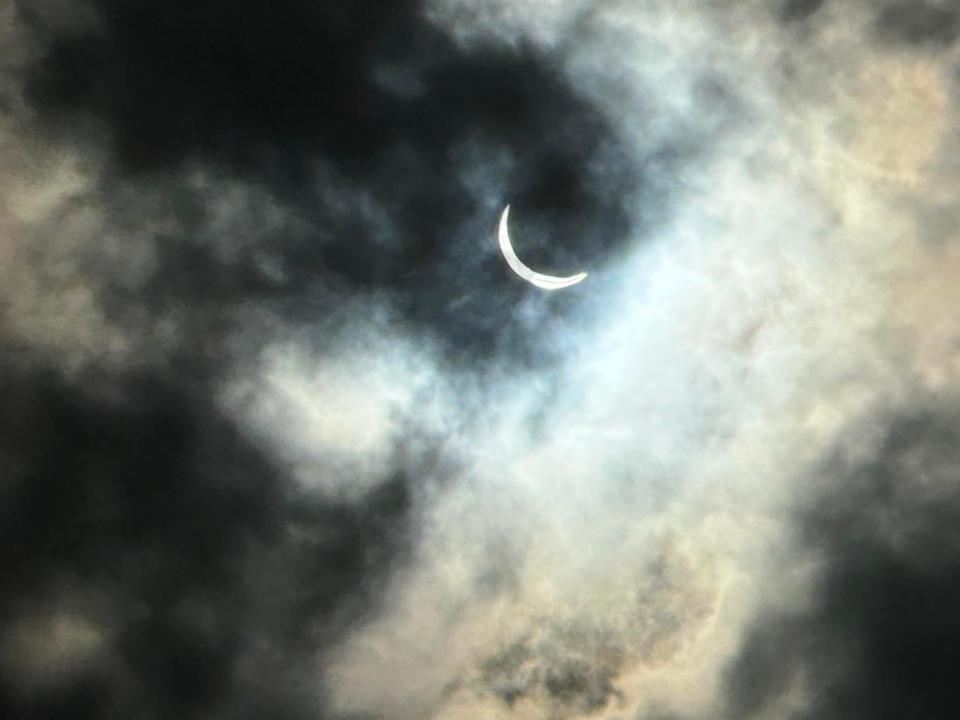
x: 546, y: 282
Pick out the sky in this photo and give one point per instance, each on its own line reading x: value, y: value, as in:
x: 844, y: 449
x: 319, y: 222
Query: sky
x: 282, y: 436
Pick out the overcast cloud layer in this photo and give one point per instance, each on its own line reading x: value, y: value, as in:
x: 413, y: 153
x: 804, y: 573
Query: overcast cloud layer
x: 281, y: 436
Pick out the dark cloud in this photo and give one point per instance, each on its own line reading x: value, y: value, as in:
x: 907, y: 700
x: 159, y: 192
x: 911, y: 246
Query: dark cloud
x: 880, y: 639
x: 382, y: 105
x: 86, y: 697
x: 925, y: 23
x: 213, y: 583
x: 799, y: 10
x: 575, y: 669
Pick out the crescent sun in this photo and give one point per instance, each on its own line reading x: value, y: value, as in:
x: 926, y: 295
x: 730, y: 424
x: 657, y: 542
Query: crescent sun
x: 545, y: 282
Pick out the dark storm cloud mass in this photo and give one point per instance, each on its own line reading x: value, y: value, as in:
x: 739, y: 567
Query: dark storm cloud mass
x: 880, y: 640
x: 926, y: 23
x: 209, y: 579
x: 387, y: 104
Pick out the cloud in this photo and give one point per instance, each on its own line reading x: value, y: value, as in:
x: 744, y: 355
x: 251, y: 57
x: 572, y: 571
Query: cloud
x: 281, y: 437
x: 340, y: 417
x: 932, y: 24
x: 874, y: 640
